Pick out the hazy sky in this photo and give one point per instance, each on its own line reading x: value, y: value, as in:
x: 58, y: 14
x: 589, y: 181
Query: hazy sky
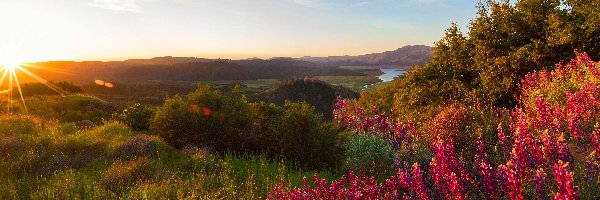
x: 38, y: 30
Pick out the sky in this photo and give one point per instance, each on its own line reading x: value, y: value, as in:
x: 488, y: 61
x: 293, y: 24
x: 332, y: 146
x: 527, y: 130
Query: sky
x: 41, y: 30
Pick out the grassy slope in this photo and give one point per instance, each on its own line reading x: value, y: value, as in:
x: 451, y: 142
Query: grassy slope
x: 42, y: 159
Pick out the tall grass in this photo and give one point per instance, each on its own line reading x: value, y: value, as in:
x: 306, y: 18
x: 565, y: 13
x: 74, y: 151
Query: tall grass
x: 42, y: 159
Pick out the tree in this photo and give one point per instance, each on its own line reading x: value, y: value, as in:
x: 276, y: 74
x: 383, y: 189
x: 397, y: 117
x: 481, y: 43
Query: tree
x: 504, y: 42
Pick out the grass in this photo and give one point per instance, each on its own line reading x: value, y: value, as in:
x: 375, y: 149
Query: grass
x: 355, y: 82
x: 41, y: 159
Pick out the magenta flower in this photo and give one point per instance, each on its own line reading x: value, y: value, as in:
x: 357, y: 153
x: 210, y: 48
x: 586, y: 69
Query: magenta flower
x: 564, y: 178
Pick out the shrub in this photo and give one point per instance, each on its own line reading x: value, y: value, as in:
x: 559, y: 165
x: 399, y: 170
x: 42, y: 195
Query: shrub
x: 229, y: 123
x: 303, y: 138
x: 449, y: 123
x: 370, y: 154
x: 175, y: 123
x: 137, y: 117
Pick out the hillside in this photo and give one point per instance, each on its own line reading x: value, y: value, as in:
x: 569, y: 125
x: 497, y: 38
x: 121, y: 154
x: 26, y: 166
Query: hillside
x: 126, y: 71
x: 406, y: 56
x: 314, y: 92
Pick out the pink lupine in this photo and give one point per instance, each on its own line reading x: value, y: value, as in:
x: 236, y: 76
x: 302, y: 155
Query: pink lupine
x: 443, y: 165
x: 418, y: 184
x: 540, y: 182
x: 502, y: 140
x: 486, y: 170
x: 488, y: 179
x: 456, y: 190
x: 513, y: 184
x: 564, y: 178
x: 544, y: 115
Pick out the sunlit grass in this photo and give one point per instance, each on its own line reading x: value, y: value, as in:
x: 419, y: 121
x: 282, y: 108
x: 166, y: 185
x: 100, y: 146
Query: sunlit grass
x: 43, y: 159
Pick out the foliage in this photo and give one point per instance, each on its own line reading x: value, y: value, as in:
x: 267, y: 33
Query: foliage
x: 137, y: 117
x: 545, y: 151
x: 369, y: 154
x: 504, y: 42
x: 229, y: 123
x: 314, y: 92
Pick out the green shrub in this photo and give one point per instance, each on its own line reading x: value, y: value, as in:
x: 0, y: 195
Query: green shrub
x: 303, y: 138
x: 175, y: 123
x: 370, y: 154
x: 229, y: 123
x: 137, y: 117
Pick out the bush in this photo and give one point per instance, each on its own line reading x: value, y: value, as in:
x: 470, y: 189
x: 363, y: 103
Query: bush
x: 303, y: 138
x: 370, y: 154
x: 229, y: 123
x: 137, y: 117
x: 175, y: 123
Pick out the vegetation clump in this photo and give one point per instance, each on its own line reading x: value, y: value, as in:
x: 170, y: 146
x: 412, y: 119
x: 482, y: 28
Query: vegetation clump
x: 229, y: 123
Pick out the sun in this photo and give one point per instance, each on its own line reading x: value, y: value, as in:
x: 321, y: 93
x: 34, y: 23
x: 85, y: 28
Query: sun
x: 10, y: 62
x: 10, y: 65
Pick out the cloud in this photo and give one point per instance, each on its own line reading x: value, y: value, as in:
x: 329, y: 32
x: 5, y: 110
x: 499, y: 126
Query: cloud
x: 308, y: 3
x: 118, y: 5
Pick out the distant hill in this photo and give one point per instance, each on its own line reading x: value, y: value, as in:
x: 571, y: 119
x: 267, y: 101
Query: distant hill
x: 405, y: 56
x: 209, y: 70
x: 203, y: 69
x: 317, y: 93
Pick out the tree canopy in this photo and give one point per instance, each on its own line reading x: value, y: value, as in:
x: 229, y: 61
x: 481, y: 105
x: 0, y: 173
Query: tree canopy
x: 503, y: 42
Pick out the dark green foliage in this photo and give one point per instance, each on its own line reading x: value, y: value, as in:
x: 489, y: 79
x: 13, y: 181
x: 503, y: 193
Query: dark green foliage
x: 304, y: 139
x: 314, y: 92
x: 504, y: 42
x: 229, y: 123
x: 50, y: 88
x: 370, y: 154
x: 175, y: 123
x: 137, y: 117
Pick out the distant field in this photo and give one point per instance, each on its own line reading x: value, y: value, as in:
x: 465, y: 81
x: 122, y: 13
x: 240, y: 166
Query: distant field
x: 253, y: 84
x: 355, y: 82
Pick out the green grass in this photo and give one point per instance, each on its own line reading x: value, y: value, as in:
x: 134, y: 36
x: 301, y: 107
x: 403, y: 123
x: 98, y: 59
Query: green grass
x: 42, y: 159
x: 355, y: 82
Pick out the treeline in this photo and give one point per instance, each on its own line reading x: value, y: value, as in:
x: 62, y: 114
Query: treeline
x: 125, y: 72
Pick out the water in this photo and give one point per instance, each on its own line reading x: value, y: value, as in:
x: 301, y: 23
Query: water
x: 390, y: 74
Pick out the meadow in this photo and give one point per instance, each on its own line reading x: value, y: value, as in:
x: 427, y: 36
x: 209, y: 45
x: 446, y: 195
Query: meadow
x: 44, y: 159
